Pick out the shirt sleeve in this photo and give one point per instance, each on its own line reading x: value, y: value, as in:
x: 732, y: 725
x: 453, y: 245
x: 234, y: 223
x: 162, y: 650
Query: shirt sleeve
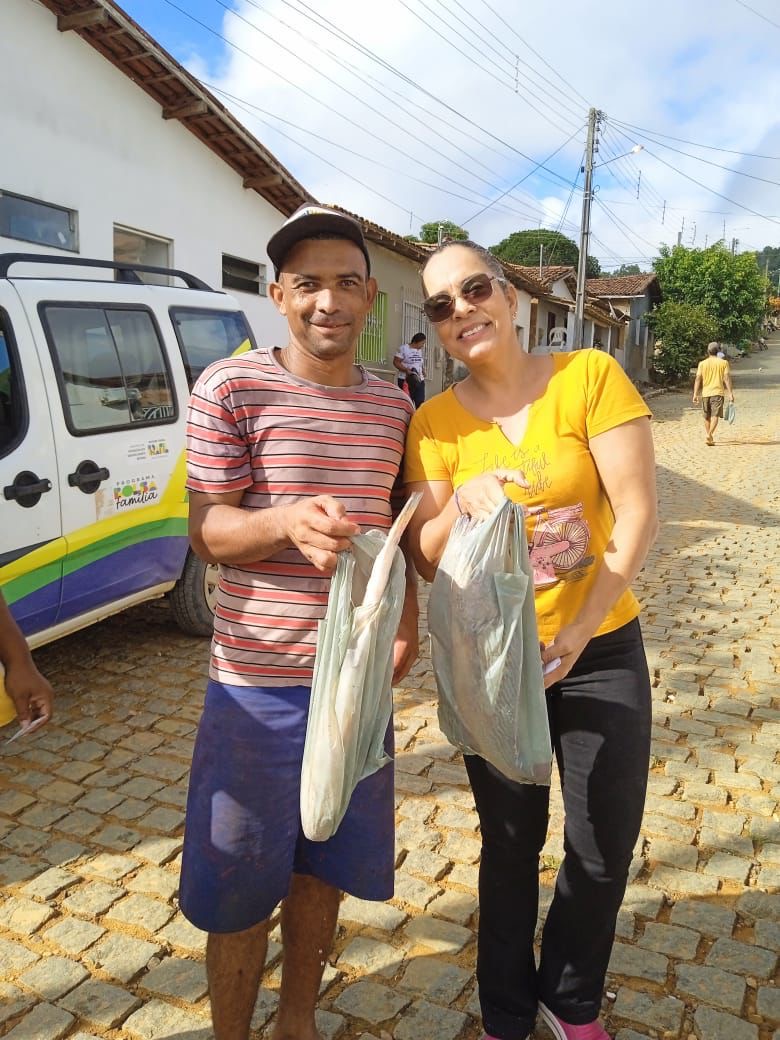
x: 611, y: 399
x: 423, y: 459
x: 218, y: 459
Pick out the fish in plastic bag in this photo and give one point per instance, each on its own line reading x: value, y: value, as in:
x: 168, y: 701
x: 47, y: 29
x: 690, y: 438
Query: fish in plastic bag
x: 351, y: 697
x: 485, y: 647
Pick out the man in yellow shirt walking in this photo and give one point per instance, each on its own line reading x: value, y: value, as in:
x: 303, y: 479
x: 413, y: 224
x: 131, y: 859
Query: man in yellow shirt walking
x: 713, y: 382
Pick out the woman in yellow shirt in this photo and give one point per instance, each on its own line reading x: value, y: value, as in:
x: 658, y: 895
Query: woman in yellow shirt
x: 568, y: 436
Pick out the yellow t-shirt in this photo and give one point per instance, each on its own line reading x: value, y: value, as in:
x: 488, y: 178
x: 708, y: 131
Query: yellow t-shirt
x: 568, y: 515
x: 712, y: 370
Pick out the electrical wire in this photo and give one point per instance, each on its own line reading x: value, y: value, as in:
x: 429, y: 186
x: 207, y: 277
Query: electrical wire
x: 694, y: 144
x: 524, y: 177
x: 758, y: 13
x: 510, y: 86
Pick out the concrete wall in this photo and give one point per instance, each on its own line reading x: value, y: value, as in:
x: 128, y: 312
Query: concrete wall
x: 78, y: 133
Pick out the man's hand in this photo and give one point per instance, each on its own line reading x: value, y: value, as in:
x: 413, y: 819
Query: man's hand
x: 479, y: 496
x: 32, y: 695
x: 319, y: 528
x: 695, y: 398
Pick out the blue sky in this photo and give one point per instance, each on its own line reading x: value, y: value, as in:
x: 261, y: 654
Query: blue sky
x: 359, y: 134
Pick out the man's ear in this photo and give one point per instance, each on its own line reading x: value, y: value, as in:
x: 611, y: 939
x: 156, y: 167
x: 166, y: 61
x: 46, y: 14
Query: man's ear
x: 276, y: 292
x: 371, y: 290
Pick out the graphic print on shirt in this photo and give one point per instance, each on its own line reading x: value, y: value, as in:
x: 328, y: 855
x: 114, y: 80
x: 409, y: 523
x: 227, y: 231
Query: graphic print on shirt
x: 559, y: 543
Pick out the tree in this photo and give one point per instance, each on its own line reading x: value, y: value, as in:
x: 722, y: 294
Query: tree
x: 731, y: 288
x: 682, y: 332
x: 621, y: 271
x: 769, y: 260
x: 430, y: 232
x: 522, y: 247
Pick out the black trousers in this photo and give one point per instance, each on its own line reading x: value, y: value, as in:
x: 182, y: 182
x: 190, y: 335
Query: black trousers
x: 600, y: 725
x: 416, y: 390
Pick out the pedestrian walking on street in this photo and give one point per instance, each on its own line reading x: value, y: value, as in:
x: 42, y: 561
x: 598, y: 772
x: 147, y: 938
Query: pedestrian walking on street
x: 409, y: 360
x: 568, y: 436
x: 289, y: 452
x: 712, y: 383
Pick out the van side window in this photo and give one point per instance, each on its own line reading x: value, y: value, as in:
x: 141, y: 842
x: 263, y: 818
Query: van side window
x: 205, y: 336
x: 111, y: 367
x: 12, y: 406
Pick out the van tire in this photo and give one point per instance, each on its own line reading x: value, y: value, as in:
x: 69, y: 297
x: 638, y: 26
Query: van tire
x: 190, y: 597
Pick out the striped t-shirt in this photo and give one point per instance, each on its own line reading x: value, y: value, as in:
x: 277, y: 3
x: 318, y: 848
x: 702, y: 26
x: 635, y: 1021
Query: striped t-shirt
x: 253, y: 426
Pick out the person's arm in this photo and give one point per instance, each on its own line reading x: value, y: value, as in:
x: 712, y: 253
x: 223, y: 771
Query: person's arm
x: 398, y: 363
x: 727, y: 383
x: 221, y: 531
x: 438, y: 510
x: 697, y: 385
x: 625, y: 462
x: 31, y: 693
x: 406, y: 647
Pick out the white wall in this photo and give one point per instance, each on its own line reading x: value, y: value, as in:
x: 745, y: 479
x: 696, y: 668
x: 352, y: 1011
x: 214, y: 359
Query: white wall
x: 78, y: 133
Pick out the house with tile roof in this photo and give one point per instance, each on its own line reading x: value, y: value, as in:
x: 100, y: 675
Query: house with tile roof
x: 119, y: 153
x: 631, y: 297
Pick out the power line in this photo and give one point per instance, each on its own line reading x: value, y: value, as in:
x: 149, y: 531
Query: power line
x: 758, y: 13
x: 706, y: 187
x: 510, y: 86
x: 525, y: 43
x: 708, y: 162
x: 524, y: 177
x: 694, y: 144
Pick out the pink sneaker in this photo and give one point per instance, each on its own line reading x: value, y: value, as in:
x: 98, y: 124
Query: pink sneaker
x: 564, y: 1031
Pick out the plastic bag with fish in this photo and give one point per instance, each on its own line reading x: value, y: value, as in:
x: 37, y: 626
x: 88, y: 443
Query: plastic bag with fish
x: 351, y: 697
x: 485, y: 647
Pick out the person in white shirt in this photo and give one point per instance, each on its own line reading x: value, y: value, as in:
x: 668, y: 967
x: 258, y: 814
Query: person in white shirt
x: 410, y: 361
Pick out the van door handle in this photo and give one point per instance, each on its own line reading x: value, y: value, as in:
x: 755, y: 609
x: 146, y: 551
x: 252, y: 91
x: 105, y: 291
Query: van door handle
x: 88, y: 476
x: 26, y: 489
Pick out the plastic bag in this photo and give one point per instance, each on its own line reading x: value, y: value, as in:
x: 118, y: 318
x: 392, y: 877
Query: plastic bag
x: 485, y: 647
x: 731, y: 413
x: 351, y: 697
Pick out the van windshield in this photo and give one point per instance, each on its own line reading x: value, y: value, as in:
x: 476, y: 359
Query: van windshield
x: 205, y: 336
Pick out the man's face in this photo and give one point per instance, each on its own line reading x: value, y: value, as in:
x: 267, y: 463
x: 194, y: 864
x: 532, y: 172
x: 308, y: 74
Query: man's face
x: 324, y: 292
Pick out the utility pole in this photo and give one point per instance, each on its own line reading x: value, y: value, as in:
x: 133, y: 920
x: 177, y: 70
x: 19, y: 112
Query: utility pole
x: 541, y: 255
x: 594, y: 119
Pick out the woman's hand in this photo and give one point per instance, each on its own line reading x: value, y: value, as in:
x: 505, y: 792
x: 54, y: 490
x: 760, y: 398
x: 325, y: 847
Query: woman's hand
x: 565, y: 649
x: 480, y: 496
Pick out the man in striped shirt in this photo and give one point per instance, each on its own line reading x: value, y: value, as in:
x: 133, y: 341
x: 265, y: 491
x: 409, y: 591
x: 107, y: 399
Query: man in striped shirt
x: 290, y: 452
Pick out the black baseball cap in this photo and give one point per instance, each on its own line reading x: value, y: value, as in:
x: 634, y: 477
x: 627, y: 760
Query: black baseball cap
x: 309, y: 221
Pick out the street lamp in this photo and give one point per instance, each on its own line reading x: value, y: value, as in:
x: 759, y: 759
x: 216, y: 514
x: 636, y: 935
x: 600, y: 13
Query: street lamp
x: 594, y: 119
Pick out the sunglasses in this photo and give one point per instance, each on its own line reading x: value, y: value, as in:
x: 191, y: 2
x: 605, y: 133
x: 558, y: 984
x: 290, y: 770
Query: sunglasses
x: 476, y: 289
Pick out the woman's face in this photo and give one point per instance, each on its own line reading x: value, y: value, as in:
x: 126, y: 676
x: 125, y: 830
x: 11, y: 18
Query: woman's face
x: 475, y: 330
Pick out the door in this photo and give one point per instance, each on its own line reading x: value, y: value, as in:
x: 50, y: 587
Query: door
x: 31, y: 543
x: 119, y: 429
x: 415, y: 320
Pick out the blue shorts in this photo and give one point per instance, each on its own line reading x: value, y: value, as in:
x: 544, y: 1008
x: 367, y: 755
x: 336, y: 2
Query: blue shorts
x: 243, y: 838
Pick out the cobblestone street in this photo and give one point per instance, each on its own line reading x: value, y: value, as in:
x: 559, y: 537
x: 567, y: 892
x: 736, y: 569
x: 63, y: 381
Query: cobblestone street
x: 91, y: 810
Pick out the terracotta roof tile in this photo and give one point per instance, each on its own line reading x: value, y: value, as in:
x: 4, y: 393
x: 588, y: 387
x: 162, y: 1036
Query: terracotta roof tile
x: 627, y: 285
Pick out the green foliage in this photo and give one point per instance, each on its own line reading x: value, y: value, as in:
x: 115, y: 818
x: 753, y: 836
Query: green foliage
x: 430, y: 232
x: 683, y: 331
x: 623, y: 270
x: 769, y: 260
x: 522, y: 247
x: 731, y: 289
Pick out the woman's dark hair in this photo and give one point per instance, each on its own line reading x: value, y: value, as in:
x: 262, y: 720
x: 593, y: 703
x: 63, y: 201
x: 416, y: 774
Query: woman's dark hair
x: 418, y: 337
x: 491, y: 262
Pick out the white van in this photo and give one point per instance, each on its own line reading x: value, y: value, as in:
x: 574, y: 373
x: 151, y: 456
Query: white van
x: 95, y: 376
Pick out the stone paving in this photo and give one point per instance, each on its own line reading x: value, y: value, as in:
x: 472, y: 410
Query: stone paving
x: 91, y: 810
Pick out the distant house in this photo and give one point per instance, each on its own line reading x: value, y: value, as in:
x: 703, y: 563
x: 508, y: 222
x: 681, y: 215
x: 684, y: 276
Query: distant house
x: 631, y: 296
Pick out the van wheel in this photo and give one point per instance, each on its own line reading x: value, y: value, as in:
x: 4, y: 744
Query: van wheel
x: 194, y: 597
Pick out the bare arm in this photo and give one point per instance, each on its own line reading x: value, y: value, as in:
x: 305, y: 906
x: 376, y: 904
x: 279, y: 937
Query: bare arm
x: 728, y: 384
x: 31, y: 693
x: 625, y: 461
x: 398, y: 363
x: 222, y: 531
x: 432, y: 522
x: 697, y: 386
x: 407, y: 641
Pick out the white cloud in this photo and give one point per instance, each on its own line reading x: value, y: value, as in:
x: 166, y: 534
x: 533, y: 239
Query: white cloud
x: 705, y: 74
